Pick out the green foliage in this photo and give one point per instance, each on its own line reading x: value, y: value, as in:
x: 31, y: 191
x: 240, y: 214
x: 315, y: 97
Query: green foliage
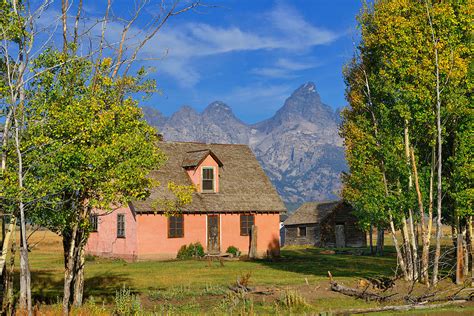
x: 89, y: 258
x: 86, y: 143
x: 191, y: 251
x: 181, y: 196
x: 391, y: 89
x: 126, y: 303
x: 233, y: 250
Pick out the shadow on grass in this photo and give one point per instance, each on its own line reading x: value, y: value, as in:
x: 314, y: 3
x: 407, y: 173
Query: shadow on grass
x: 313, y: 261
x: 48, y: 288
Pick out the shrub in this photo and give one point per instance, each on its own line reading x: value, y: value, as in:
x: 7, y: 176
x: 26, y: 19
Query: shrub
x: 233, y: 250
x: 89, y: 258
x: 195, y: 250
x: 127, y: 303
x: 293, y: 300
x: 236, y: 302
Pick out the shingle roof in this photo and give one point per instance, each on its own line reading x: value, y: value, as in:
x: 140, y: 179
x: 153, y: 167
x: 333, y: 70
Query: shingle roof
x: 311, y: 212
x: 243, y: 185
x: 194, y: 158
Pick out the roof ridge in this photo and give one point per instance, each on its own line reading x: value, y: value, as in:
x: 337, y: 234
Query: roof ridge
x: 196, y: 151
x: 201, y: 143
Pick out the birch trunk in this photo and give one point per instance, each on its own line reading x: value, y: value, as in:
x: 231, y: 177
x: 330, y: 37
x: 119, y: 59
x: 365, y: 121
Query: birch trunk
x: 10, y: 235
x: 25, y: 277
x: 6, y: 131
x: 424, y: 234
x: 459, y: 260
x: 425, y: 257
x: 69, y: 271
x: 465, y: 235
x: 439, y: 188
x: 401, y: 261
x: 79, y: 280
x: 79, y: 270
x: 407, y: 248
x: 411, y: 227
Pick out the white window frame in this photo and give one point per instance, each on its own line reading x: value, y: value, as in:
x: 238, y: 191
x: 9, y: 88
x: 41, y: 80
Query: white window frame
x: 213, y: 179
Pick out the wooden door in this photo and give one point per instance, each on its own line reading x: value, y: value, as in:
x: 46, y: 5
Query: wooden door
x: 340, y: 236
x: 213, y: 232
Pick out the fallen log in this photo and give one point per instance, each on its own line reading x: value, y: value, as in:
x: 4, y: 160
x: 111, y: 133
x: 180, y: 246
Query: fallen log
x: 364, y: 294
x: 397, y: 308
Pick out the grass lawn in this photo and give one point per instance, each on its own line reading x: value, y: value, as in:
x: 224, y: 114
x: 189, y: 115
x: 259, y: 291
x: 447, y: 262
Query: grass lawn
x: 189, y: 287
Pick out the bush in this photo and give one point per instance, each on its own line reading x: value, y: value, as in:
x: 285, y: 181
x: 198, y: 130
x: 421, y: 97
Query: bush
x: 89, y: 258
x: 195, y: 250
x: 293, y: 300
x: 233, y: 250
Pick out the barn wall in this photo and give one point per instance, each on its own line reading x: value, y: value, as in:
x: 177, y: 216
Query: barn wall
x: 312, y: 238
x: 354, y: 236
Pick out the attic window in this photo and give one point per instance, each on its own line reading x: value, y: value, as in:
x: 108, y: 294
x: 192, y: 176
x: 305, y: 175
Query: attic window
x: 208, y: 179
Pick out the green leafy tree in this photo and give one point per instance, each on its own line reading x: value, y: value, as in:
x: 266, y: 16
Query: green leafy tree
x: 89, y: 148
x: 408, y: 76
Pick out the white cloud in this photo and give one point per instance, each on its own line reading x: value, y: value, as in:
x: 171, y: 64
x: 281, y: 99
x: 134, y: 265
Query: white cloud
x: 284, y: 68
x: 283, y: 28
x: 286, y: 31
x: 300, y: 33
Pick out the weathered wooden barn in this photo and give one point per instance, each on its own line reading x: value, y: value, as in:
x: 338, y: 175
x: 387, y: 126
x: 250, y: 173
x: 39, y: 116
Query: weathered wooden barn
x: 324, y: 224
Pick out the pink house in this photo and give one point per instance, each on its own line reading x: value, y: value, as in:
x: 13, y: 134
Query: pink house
x: 232, y: 195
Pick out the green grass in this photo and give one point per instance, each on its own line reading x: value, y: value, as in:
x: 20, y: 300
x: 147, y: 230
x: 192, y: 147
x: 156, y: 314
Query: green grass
x: 192, y: 286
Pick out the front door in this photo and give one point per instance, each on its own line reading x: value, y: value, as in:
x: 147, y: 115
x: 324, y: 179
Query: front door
x: 213, y: 240
x: 340, y: 236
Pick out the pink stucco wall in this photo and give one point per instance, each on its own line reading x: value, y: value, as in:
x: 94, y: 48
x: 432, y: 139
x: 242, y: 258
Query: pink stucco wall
x: 147, y: 235
x: 153, y: 241
x: 105, y: 242
x: 268, y: 237
x: 196, y: 173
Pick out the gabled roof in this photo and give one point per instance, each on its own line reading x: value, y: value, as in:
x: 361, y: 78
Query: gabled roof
x: 312, y: 212
x: 243, y: 185
x: 194, y: 158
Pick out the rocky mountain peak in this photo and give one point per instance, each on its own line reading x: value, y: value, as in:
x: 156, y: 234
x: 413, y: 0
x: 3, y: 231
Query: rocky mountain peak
x: 218, y: 111
x: 218, y: 106
x: 186, y: 109
x: 307, y: 89
x: 304, y: 104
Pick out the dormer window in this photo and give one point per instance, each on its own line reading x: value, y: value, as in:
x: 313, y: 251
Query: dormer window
x: 208, y: 179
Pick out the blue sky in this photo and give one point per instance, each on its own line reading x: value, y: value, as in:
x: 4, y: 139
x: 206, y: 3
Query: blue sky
x: 248, y: 54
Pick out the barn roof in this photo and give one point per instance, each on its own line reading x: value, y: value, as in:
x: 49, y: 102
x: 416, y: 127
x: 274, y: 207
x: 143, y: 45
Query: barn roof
x: 243, y: 185
x: 312, y: 212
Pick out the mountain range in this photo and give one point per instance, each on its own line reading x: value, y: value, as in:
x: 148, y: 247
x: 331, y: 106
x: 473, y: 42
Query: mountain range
x: 299, y: 147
